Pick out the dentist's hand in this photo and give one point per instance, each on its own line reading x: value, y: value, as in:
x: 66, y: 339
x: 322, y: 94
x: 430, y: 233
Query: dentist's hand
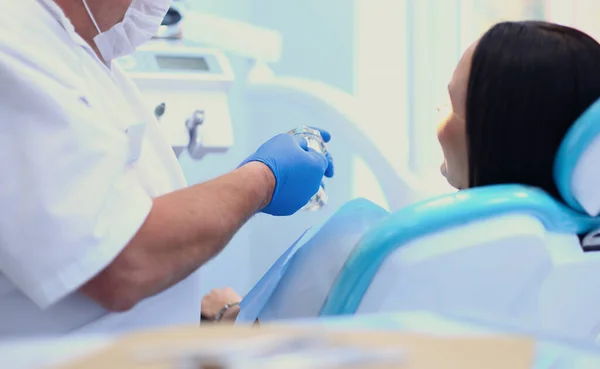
x: 298, y: 171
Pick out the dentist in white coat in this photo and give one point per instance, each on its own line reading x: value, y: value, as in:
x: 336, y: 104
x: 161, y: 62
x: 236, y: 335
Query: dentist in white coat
x: 98, y: 230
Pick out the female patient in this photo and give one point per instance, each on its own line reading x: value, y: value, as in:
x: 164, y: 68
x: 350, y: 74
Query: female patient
x: 514, y: 94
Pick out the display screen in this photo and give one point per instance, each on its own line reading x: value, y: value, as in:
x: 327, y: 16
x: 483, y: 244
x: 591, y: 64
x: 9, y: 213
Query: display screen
x: 182, y: 63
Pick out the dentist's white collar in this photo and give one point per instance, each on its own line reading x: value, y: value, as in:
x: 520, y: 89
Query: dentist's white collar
x: 65, y: 22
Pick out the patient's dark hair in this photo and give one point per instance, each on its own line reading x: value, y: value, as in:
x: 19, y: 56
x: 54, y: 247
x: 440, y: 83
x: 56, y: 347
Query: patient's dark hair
x: 529, y: 82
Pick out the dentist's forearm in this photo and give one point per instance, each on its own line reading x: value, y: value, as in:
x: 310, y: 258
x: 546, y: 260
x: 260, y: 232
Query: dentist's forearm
x: 184, y: 230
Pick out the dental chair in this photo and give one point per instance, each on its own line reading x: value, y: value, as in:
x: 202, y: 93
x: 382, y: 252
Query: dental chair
x: 507, y: 254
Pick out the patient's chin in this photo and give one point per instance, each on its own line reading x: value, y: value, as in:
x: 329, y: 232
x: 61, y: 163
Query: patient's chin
x: 453, y: 183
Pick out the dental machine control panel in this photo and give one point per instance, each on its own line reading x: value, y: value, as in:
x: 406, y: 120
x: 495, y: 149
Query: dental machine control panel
x: 187, y: 87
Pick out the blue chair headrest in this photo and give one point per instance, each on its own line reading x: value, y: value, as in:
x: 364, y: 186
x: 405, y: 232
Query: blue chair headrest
x: 577, y: 163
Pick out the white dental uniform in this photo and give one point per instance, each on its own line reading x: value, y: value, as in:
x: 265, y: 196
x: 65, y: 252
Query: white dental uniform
x: 81, y: 157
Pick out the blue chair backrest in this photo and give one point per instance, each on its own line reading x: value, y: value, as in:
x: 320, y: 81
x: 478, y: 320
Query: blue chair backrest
x: 576, y: 167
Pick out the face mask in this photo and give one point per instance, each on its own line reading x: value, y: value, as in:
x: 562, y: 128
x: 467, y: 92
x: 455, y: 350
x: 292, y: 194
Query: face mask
x: 139, y: 25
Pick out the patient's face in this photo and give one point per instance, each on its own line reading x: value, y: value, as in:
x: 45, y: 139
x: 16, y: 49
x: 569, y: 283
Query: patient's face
x: 452, y: 131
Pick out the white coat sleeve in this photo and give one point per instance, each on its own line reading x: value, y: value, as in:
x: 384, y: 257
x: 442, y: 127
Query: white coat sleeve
x: 69, y: 201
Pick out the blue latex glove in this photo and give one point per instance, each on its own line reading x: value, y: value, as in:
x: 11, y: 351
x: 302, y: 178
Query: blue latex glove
x: 298, y: 171
x: 327, y: 137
